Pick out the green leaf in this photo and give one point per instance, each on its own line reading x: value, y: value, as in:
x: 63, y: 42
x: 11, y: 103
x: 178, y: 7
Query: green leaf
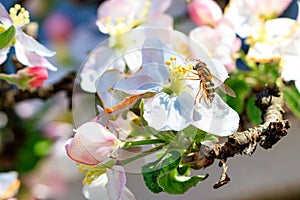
x: 183, y: 169
x: 152, y: 171
x: 173, y: 183
x: 199, y: 135
x: 292, y: 99
x: 253, y: 113
x: 7, y: 36
x: 241, y: 89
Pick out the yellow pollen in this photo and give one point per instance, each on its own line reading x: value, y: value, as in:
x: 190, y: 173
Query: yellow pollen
x: 168, y: 62
x: 148, y: 3
x: 19, y: 15
x: 120, y: 20
x: 177, y: 70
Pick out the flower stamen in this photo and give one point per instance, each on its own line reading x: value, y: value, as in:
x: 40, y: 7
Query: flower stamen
x: 19, y: 15
x: 177, y: 74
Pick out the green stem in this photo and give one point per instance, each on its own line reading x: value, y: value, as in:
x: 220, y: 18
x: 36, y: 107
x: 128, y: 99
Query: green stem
x: 143, y: 142
x: 140, y: 155
x: 8, y: 77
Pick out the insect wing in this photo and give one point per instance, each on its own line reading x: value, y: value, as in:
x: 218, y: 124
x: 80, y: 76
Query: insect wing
x: 222, y: 86
x: 218, y: 70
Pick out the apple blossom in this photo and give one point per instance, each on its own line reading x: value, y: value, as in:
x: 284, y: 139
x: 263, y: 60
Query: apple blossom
x: 91, y: 144
x: 119, y: 16
x: 219, y: 42
x: 246, y: 15
x: 204, y: 12
x: 172, y: 106
x: 28, y: 51
x: 266, y: 42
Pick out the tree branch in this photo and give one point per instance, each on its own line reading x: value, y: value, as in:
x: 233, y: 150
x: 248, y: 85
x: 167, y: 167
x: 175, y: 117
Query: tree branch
x: 274, y: 128
x: 10, y: 95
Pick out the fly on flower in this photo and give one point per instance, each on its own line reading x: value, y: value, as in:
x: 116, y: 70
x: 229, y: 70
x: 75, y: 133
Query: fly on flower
x: 207, y: 84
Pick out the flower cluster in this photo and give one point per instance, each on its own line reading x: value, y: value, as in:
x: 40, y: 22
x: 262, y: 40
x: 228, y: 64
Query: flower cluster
x: 160, y: 96
x: 158, y: 105
x: 28, y: 51
x: 149, y: 99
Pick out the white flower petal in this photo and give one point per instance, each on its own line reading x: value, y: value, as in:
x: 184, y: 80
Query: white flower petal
x: 157, y: 72
x: 133, y: 60
x: 96, y: 189
x: 154, y: 51
x: 138, y: 84
x: 3, y: 54
x: 30, y: 44
x: 297, y: 84
x: 290, y: 68
x: 165, y: 112
x: 263, y: 52
x: 218, y: 119
x: 104, y: 87
x: 31, y: 58
x: 95, y: 65
x: 218, y: 70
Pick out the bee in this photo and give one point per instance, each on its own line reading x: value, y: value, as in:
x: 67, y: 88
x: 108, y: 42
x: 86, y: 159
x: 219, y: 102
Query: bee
x: 207, y: 83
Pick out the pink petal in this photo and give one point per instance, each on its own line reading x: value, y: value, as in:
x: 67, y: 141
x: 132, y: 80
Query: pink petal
x: 31, y: 58
x: 4, y: 13
x: 160, y: 21
x: 206, y: 37
x: 116, y: 184
x: 204, y: 12
x: 91, y: 144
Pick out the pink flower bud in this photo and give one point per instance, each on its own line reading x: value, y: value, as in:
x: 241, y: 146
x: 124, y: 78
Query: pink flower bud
x: 38, y: 76
x: 91, y: 144
x: 204, y: 12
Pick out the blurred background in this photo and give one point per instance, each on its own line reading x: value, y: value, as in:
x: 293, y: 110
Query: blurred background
x: 33, y: 144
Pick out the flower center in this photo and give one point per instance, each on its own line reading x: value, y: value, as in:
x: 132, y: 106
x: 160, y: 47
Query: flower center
x: 19, y: 15
x: 125, y: 23
x: 178, y: 74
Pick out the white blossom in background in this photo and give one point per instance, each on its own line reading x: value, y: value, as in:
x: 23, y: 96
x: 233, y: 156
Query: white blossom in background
x: 130, y: 14
x: 219, y: 42
x: 248, y: 15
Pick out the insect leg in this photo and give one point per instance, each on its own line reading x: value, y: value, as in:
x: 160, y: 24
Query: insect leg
x: 200, y: 87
